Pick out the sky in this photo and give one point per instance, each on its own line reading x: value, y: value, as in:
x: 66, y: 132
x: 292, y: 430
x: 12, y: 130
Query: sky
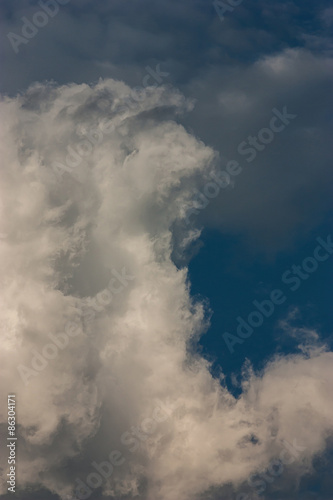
x: 166, y: 250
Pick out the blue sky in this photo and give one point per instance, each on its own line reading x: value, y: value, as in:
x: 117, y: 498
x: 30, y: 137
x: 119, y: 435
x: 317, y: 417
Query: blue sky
x: 191, y: 94
x: 232, y: 277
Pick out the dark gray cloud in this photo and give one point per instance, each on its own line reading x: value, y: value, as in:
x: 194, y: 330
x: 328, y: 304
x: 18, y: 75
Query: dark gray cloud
x: 283, y: 189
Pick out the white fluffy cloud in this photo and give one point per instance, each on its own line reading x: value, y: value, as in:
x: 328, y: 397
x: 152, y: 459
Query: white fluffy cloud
x: 123, y: 207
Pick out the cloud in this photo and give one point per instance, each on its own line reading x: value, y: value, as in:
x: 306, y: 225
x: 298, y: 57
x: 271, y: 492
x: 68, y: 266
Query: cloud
x: 124, y: 207
x: 281, y: 195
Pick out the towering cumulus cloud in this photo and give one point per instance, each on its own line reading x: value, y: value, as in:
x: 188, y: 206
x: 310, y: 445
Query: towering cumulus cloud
x: 98, y: 327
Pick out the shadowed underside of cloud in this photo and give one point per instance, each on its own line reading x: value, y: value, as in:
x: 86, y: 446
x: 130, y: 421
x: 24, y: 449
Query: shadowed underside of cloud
x: 68, y: 232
